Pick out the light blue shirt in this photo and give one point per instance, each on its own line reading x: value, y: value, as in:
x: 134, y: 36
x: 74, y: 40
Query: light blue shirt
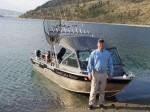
x: 100, y: 61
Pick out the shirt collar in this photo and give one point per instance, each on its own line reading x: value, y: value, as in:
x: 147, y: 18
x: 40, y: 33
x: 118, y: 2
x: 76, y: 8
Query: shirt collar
x: 101, y: 50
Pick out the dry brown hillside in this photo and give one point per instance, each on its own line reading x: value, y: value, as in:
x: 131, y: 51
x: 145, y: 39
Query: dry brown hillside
x: 104, y: 11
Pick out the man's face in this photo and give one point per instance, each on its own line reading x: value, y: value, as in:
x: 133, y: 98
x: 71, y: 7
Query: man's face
x: 100, y: 45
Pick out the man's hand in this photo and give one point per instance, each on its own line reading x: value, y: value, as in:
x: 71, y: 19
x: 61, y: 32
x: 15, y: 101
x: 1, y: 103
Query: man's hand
x: 90, y: 77
x: 110, y: 77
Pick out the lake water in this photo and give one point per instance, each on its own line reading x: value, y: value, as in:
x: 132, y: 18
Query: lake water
x: 23, y: 89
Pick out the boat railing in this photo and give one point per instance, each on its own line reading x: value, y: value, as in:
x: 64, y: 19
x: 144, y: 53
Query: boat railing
x: 54, y: 28
x: 74, y: 29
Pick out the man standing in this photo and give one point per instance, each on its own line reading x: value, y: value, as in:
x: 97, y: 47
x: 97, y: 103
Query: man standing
x: 99, y: 66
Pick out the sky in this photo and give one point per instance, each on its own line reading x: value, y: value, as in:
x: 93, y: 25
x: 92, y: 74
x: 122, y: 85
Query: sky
x: 21, y: 5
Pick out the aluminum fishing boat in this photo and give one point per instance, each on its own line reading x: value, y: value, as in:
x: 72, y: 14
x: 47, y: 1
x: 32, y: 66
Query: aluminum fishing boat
x: 66, y: 62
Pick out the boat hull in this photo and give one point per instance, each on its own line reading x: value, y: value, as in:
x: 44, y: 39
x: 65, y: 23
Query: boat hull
x: 112, y: 88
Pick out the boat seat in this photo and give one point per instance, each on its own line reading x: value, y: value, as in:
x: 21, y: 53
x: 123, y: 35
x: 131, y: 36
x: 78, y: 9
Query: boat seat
x: 61, y: 54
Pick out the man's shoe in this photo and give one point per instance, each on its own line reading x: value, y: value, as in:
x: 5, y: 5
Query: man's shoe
x: 91, y: 107
x: 102, y: 106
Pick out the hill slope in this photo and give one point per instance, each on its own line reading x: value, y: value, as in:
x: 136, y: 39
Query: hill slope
x: 106, y: 11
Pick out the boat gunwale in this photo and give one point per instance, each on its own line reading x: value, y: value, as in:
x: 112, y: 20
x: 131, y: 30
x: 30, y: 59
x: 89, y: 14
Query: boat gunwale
x: 128, y: 78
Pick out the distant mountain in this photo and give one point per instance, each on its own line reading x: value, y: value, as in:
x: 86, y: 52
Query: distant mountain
x: 1, y: 16
x: 9, y: 13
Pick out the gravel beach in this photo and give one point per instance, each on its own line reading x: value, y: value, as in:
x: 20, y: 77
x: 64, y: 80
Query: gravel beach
x: 136, y: 105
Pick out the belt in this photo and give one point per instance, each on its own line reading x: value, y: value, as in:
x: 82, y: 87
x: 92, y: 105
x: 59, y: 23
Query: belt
x: 101, y: 71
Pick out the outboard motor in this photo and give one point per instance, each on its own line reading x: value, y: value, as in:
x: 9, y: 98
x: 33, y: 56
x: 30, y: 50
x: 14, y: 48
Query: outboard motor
x: 37, y: 54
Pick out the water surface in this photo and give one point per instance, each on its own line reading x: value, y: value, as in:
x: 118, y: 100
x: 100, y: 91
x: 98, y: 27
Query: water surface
x: 23, y: 89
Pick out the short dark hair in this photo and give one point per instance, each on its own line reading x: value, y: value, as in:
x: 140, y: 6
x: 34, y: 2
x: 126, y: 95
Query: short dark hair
x: 101, y: 40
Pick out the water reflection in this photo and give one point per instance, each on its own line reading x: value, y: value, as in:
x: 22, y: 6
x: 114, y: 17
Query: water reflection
x: 64, y: 98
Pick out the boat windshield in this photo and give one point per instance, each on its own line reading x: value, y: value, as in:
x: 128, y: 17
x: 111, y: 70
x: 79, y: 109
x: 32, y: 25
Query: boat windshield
x: 84, y: 56
x: 115, y: 56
